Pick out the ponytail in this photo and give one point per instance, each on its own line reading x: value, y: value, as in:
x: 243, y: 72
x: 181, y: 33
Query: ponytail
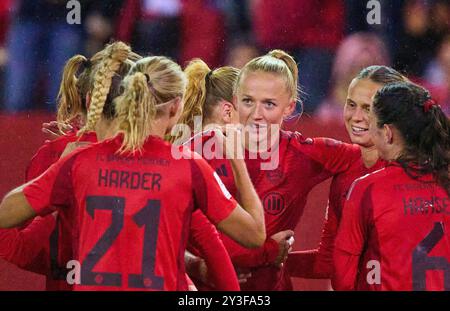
x: 436, y: 139
x: 136, y: 110
x: 152, y: 82
x: 70, y: 98
x: 196, y: 91
x: 290, y: 63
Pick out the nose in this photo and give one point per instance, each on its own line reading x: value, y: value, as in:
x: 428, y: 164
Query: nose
x: 257, y: 113
x: 358, y: 115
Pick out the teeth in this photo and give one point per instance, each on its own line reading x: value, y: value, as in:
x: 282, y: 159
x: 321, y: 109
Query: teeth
x: 358, y: 129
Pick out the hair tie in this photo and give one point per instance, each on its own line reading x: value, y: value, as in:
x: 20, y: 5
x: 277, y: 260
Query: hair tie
x: 208, y: 75
x: 151, y: 88
x: 147, y: 77
x: 429, y: 104
x: 87, y: 63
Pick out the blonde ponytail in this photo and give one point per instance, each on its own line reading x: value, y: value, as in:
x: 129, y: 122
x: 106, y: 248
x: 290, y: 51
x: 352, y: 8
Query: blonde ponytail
x: 136, y: 111
x: 70, y: 102
x: 152, y: 81
x: 195, y: 96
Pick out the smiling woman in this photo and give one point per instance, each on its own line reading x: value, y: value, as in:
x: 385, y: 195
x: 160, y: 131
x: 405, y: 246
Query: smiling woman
x: 318, y: 263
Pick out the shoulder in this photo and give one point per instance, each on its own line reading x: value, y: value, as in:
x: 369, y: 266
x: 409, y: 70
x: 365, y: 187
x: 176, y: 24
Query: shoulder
x: 58, y: 144
x: 371, y: 181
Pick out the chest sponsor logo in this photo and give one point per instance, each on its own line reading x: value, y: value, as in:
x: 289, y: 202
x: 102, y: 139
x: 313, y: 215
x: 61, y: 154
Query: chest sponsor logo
x: 273, y: 203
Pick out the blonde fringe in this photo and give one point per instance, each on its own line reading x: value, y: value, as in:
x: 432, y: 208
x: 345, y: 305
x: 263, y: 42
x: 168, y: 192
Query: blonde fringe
x: 116, y: 54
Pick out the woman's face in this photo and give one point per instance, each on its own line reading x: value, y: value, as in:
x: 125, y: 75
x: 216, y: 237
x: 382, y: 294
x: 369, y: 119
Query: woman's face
x: 262, y: 100
x: 357, y: 108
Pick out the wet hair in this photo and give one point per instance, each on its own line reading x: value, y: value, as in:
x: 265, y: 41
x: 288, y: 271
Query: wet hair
x: 381, y: 74
x: 152, y: 81
x: 425, y: 129
x: 205, y: 89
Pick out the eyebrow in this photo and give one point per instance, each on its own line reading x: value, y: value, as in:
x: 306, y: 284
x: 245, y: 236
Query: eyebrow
x: 265, y: 99
x: 363, y: 104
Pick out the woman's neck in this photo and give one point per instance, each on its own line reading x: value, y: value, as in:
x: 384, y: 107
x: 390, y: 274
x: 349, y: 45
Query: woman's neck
x: 159, y: 127
x: 369, y: 156
x: 105, y: 129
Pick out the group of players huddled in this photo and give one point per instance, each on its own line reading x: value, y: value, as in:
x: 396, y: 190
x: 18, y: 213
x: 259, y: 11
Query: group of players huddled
x: 109, y: 194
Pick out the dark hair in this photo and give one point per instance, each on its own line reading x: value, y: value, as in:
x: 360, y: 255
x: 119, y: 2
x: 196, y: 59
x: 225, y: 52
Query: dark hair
x: 381, y: 74
x: 425, y: 129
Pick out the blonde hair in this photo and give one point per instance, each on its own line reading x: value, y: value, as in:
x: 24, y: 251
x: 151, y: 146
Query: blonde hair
x: 152, y: 81
x: 70, y: 95
x: 277, y: 62
x: 114, y: 60
x: 205, y: 88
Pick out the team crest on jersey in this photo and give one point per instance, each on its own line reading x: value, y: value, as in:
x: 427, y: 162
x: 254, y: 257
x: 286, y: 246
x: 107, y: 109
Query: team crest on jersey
x: 275, y: 176
x: 273, y: 203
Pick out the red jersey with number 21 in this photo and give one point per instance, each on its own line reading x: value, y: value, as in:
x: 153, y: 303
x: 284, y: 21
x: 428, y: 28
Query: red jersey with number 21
x: 130, y: 213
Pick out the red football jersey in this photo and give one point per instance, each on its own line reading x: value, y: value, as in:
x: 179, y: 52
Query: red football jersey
x: 204, y: 241
x: 129, y: 214
x: 43, y: 246
x: 318, y: 263
x: 394, y: 234
x: 303, y: 163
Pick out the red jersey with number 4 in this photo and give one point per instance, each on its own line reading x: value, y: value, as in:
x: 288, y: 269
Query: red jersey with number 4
x: 130, y: 214
x: 394, y: 234
x: 298, y: 164
x: 318, y: 263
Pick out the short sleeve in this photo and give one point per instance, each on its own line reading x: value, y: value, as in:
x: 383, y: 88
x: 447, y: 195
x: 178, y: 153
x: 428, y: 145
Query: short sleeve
x: 52, y: 189
x: 210, y: 194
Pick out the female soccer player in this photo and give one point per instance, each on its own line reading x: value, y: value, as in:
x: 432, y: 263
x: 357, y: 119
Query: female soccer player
x: 266, y: 93
x: 40, y: 246
x: 394, y: 230
x: 122, y: 190
x: 209, y: 96
x: 318, y: 263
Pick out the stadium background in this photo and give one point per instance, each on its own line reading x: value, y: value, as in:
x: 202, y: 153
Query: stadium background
x: 330, y: 39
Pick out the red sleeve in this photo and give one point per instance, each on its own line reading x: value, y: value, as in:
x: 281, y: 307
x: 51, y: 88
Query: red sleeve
x: 351, y: 236
x: 346, y: 270
x: 300, y: 264
x: 205, y: 238
x: 254, y: 257
x: 335, y: 156
x: 21, y: 247
x: 316, y: 263
x: 52, y: 189
x: 210, y: 194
